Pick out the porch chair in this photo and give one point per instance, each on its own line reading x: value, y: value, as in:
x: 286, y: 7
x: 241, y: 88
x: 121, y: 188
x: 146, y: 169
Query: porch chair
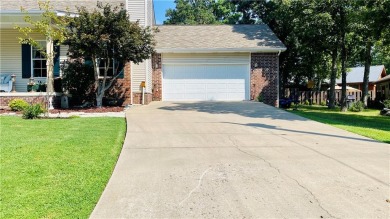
x: 5, y: 83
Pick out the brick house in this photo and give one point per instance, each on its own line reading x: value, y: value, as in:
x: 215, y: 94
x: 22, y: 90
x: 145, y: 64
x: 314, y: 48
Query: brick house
x: 191, y: 63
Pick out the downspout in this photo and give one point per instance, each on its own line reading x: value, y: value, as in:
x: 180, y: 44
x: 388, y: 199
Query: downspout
x: 277, y: 83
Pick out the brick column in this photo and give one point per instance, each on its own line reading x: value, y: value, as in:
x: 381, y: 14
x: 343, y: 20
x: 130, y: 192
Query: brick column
x: 157, y: 77
x: 264, y: 78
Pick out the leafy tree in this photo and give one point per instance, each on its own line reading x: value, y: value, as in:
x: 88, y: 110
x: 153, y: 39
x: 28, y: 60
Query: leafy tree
x: 191, y: 12
x: 108, y: 39
x: 54, y: 28
x: 372, y: 23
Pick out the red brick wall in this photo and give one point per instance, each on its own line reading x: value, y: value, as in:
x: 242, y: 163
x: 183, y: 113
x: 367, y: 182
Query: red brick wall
x: 4, y: 101
x: 157, y: 77
x: 265, y: 77
x: 122, y: 87
x: 137, y: 98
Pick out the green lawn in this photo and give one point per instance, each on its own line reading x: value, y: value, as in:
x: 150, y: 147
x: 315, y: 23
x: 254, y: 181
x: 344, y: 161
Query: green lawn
x: 367, y: 123
x: 56, y: 168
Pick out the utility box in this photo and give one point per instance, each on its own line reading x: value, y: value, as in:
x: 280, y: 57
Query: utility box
x: 64, y: 102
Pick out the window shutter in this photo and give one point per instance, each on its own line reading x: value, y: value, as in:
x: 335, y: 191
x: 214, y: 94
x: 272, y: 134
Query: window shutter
x: 56, y: 61
x: 121, y: 70
x: 26, y: 61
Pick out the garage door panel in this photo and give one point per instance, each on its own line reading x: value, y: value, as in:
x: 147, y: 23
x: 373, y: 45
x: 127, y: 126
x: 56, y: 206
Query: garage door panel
x: 205, y: 82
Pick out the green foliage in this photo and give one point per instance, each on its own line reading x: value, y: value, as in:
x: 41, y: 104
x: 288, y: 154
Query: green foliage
x: 323, y: 103
x: 357, y: 106
x: 192, y: 12
x: 56, y: 168
x: 306, y: 102
x: 386, y: 103
x: 18, y: 104
x: 106, y: 35
x: 33, y: 111
x: 260, y: 98
x: 78, y: 79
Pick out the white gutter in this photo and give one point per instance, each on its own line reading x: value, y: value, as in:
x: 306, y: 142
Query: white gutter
x: 221, y: 50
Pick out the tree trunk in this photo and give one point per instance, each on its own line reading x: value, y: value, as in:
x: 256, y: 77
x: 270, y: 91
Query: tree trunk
x: 99, y: 99
x: 333, y: 75
x: 343, y: 101
x: 367, y: 64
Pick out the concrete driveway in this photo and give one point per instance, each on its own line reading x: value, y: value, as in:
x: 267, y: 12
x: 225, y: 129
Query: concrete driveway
x: 243, y: 160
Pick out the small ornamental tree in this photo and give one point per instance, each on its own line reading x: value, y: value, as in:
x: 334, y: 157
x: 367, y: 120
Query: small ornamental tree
x: 107, y: 39
x: 54, y: 28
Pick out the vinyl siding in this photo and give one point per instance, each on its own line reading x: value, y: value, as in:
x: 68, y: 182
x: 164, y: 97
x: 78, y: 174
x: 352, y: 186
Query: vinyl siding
x: 206, y: 58
x: 149, y: 75
x: 136, y: 9
x: 11, y: 56
x: 138, y: 75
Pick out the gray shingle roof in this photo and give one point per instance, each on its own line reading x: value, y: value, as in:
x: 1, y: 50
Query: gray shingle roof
x: 60, y: 5
x: 356, y: 74
x: 217, y: 37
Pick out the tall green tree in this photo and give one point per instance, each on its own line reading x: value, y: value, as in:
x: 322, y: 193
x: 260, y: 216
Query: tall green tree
x: 191, y: 12
x: 108, y: 38
x: 372, y: 22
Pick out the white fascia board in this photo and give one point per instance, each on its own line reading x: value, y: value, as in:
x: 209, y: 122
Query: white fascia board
x: 222, y: 50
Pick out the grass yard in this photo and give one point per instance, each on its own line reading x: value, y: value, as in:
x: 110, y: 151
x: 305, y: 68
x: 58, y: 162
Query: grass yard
x: 367, y: 123
x: 56, y: 168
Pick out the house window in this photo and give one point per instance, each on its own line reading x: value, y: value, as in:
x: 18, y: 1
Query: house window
x: 38, y: 60
x: 102, y: 68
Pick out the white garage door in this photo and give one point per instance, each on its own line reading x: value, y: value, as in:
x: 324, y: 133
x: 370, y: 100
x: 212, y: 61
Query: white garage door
x: 205, y: 82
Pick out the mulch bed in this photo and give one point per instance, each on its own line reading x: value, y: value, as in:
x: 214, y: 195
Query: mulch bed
x: 104, y: 109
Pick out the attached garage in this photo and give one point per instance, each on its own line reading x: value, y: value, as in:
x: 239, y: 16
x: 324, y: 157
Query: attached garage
x: 216, y: 63
x: 190, y: 77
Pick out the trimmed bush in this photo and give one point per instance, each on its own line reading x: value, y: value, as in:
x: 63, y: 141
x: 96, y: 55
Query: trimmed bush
x: 17, y: 104
x: 386, y: 103
x: 33, y: 111
x: 323, y: 103
x: 357, y: 106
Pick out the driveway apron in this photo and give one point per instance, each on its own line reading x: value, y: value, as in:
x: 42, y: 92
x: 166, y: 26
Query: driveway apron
x: 242, y: 160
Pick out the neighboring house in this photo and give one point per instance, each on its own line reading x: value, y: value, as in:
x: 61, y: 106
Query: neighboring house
x: 383, y: 87
x: 355, y: 77
x: 202, y: 62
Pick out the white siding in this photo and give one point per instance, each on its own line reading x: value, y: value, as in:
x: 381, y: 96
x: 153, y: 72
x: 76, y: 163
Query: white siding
x: 149, y: 75
x: 136, y: 9
x: 11, y: 56
x: 138, y: 75
x: 207, y: 58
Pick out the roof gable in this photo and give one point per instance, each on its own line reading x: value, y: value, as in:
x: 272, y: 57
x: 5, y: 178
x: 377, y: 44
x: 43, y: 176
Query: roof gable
x: 198, y: 38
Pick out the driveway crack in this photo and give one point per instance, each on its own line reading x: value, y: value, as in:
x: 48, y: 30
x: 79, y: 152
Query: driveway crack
x: 196, y: 187
x: 277, y: 169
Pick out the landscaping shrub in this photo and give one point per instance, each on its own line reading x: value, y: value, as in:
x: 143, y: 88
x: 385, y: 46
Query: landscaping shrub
x: 17, y: 104
x: 357, y: 106
x: 386, y: 104
x: 307, y: 102
x: 78, y: 79
x: 260, y: 98
x: 33, y: 111
x: 323, y: 103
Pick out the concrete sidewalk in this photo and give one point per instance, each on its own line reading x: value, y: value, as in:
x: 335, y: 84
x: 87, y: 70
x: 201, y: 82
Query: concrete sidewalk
x: 243, y: 160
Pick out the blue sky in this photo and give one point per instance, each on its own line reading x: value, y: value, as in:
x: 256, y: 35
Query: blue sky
x: 160, y: 6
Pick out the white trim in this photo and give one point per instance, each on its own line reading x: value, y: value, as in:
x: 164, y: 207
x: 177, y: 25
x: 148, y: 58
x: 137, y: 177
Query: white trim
x: 222, y: 50
x: 32, y: 60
